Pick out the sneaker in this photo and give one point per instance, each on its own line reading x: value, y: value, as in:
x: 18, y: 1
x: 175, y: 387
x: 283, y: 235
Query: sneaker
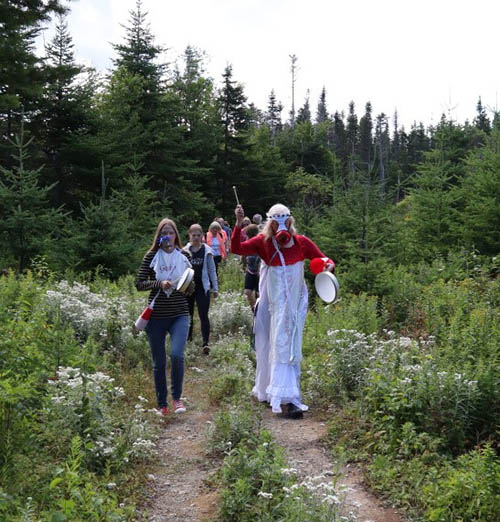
x: 205, y: 349
x: 164, y: 410
x: 178, y: 406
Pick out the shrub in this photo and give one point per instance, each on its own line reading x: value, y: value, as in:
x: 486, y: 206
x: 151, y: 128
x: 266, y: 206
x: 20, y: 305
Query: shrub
x: 470, y: 491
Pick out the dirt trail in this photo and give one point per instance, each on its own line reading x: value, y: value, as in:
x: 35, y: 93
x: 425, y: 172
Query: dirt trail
x: 303, y: 441
x: 179, y: 491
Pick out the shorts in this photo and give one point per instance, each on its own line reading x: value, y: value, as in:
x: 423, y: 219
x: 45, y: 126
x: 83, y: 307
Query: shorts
x: 252, y: 282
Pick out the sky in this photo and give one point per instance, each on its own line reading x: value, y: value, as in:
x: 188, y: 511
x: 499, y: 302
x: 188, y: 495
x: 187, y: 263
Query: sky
x: 419, y: 58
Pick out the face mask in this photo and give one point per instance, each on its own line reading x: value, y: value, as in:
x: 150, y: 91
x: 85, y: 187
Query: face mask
x: 282, y: 235
x: 163, y: 240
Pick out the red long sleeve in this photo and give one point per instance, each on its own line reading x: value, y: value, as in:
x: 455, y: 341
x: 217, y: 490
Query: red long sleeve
x: 303, y: 248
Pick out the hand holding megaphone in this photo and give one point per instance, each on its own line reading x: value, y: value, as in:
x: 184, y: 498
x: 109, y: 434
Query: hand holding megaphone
x: 321, y: 264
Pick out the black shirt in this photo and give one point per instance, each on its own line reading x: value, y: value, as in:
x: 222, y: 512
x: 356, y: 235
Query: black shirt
x: 197, y: 259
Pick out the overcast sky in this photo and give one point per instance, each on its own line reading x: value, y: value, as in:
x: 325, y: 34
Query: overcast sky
x: 422, y: 57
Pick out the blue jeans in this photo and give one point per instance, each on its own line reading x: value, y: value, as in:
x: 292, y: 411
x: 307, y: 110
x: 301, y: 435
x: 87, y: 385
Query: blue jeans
x: 157, y: 329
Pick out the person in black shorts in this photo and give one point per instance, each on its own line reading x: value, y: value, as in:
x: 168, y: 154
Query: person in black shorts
x: 252, y: 271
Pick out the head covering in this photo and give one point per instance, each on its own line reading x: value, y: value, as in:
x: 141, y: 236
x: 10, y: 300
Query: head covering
x: 280, y: 214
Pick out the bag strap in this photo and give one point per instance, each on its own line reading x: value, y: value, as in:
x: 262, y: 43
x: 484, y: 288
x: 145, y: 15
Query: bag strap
x: 152, y: 303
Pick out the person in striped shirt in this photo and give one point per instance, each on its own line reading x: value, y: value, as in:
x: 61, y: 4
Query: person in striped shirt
x: 161, y: 268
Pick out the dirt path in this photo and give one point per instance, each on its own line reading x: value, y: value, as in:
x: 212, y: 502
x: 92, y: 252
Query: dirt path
x: 308, y: 454
x: 179, y: 491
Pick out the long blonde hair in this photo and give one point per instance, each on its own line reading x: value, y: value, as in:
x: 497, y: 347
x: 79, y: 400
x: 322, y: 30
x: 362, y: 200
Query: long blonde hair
x: 278, y: 208
x: 161, y: 224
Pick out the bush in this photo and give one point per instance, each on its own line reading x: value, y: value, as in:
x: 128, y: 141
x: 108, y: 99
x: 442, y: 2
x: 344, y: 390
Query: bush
x: 469, y: 492
x: 230, y: 428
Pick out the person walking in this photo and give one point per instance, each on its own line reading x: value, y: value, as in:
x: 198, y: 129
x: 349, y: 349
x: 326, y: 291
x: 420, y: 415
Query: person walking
x: 162, y: 266
x: 251, y: 285
x: 205, y: 279
x: 282, y: 308
x: 216, y: 240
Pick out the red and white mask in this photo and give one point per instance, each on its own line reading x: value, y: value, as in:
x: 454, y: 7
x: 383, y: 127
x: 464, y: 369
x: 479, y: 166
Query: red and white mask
x: 282, y: 234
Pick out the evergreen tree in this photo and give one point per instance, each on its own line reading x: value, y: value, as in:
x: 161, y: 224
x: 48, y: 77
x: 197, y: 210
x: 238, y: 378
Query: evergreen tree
x: 64, y: 112
x: 433, y: 207
x: 234, y: 123
x: 382, y: 141
x: 480, y: 218
x: 202, y: 135
x: 28, y: 224
x: 482, y: 122
x: 339, y: 137
x: 139, y: 54
x: 418, y: 144
x: 273, y: 116
x: 21, y: 76
x: 353, y: 228
x: 366, y: 138
x: 352, y: 135
x: 143, y: 120
x: 322, y: 111
x: 304, y: 113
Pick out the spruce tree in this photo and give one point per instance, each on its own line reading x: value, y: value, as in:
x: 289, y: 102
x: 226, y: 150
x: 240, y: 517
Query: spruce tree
x: 352, y: 135
x: 479, y: 224
x: 339, y: 137
x: 64, y: 112
x: 21, y: 76
x: 366, y: 138
x: 433, y: 207
x: 143, y: 120
x: 29, y: 225
x: 482, y: 122
x: 202, y: 135
x: 304, y: 113
x: 139, y: 54
x: 322, y: 110
x: 382, y: 140
x: 234, y: 123
x: 273, y: 116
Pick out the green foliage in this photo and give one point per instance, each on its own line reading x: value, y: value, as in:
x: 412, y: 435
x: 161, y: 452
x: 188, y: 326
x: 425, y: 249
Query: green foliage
x: 480, y: 193
x: 230, y: 428
x: 258, y: 486
x: 469, y: 492
x: 54, y: 341
x: 28, y: 224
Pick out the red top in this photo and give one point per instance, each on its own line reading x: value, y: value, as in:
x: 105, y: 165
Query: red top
x: 303, y: 248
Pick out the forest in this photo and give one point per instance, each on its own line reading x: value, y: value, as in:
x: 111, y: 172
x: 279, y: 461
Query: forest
x: 89, y: 164
x: 91, y: 161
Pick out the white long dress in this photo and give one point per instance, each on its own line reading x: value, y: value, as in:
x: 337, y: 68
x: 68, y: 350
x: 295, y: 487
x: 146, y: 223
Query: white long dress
x: 279, y: 325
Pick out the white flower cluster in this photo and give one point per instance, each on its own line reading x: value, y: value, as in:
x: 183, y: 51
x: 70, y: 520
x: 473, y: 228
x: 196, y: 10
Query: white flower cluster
x: 89, y: 313
x: 87, y: 402
x: 229, y: 312
x: 319, y: 488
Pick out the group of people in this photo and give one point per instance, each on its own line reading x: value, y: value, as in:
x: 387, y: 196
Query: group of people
x: 274, y: 285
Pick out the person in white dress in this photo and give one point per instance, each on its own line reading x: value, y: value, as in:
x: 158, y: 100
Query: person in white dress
x: 282, y: 308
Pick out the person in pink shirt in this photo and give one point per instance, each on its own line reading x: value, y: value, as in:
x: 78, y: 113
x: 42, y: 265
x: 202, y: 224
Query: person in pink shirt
x: 217, y: 239
x: 282, y: 307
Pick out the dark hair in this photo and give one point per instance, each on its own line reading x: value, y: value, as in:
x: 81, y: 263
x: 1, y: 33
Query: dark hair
x: 251, y: 230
